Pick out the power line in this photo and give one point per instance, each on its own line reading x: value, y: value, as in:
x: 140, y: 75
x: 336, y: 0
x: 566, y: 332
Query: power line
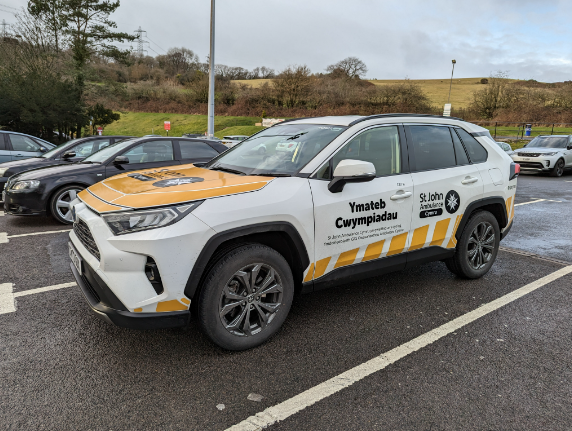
x: 9, y: 7
x: 156, y: 44
x: 8, y: 11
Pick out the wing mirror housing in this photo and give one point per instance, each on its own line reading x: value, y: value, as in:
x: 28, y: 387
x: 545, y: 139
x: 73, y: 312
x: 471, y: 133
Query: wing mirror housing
x: 121, y: 160
x: 43, y: 150
x: 569, y: 147
x: 351, y: 171
x: 69, y: 155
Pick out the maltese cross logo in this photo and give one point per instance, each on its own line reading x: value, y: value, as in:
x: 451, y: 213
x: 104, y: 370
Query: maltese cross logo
x: 452, y: 202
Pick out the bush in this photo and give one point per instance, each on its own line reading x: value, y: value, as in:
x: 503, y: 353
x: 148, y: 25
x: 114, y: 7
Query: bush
x: 484, y: 81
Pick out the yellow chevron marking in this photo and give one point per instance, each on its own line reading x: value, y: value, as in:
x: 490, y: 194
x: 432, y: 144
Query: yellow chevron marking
x: 419, y: 237
x: 397, y: 244
x: 172, y: 305
x: 346, y: 258
x: 508, y: 207
x: 373, y: 251
x: 310, y: 273
x: 321, y: 266
x: 440, y: 232
x: 453, y: 240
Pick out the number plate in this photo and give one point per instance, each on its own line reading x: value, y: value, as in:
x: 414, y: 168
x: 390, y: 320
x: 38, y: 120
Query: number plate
x: 525, y: 159
x: 74, y: 256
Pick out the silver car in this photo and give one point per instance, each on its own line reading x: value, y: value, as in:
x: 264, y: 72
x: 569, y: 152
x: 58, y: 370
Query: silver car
x: 17, y: 146
x: 549, y: 153
x: 232, y: 140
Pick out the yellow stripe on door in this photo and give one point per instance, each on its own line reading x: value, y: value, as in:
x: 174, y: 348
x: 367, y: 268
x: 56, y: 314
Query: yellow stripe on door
x: 419, y: 237
x: 508, y: 207
x: 321, y: 266
x: 453, y: 240
x: 346, y: 258
x: 397, y: 244
x: 440, y: 232
x: 373, y: 251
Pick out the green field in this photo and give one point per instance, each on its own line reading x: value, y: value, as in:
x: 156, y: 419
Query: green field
x: 145, y: 123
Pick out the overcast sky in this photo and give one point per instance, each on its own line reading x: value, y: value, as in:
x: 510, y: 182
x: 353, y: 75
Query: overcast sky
x: 396, y: 38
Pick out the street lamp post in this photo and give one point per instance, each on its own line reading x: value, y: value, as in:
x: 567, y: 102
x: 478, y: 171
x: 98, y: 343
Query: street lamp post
x: 451, y: 84
x: 210, y: 127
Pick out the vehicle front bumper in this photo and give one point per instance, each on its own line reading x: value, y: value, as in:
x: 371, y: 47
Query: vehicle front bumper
x: 3, y: 181
x: 24, y: 203
x: 96, y: 293
x: 536, y: 164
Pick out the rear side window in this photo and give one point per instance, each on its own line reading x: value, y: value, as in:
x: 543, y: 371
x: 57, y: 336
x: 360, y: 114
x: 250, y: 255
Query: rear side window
x: 196, y: 150
x: 432, y: 147
x: 23, y: 143
x: 460, y: 152
x: 2, y: 140
x: 153, y: 151
x: 476, y: 151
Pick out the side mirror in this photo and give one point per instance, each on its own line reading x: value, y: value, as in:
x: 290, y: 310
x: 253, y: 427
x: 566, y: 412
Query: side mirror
x: 69, y: 155
x: 569, y: 147
x: 351, y: 171
x: 43, y: 150
x: 121, y: 160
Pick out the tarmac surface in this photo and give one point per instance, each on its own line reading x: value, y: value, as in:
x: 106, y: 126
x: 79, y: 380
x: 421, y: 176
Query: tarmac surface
x: 63, y: 368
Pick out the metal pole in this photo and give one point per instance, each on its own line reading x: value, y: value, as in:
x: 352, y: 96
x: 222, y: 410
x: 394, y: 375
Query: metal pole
x: 210, y: 128
x: 451, y: 84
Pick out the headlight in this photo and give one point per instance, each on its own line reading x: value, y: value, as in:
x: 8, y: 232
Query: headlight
x: 551, y: 154
x: 25, y: 185
x: 3, y: 171
x: 135, y: 221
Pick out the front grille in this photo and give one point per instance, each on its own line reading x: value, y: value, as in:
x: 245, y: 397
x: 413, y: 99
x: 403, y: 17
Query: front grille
x: 529, y: 154
x: 91, y: 289
x: 531, y: 165
x: 81, y: 229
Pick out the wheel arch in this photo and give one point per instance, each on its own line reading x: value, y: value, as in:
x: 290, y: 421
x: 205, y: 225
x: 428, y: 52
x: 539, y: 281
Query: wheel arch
x: 281, y: 236
x: 57, y: 189
x: 495, y: 205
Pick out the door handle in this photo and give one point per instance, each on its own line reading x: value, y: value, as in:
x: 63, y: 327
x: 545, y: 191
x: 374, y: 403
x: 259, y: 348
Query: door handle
x: 469, y: 180
x: 403, y: 195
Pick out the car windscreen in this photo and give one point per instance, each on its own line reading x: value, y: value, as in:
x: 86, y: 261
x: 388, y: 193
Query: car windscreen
x: 109, y: 151
x: 281, y: 149
x: 548, y: 142
x: 57, y: 149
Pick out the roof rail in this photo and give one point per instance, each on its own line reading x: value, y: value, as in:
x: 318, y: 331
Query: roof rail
x: 371, y: 117
x: 292, y: 119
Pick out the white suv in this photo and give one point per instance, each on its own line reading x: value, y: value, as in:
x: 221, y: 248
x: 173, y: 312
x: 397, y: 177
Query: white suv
x: 552, y: 154
x: 331, y: 200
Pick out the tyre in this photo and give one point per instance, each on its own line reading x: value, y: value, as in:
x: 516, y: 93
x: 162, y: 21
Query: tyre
x: 477, y: 248
x: 60, y: 203
x: 558, y: 169
x: 246, y: 297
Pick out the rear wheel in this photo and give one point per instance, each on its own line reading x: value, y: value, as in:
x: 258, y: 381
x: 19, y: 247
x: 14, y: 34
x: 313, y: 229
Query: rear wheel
x: 246, y: 297
x: 477, y: 248
x: 60, y: 203
x: 558, y: 169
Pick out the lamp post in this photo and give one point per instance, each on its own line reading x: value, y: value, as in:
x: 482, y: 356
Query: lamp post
x: 210, y: 126
x: 451, y: 84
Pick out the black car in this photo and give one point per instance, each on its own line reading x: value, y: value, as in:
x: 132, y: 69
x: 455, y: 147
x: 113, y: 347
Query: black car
x: 71, y: 152
x: 50, y: 190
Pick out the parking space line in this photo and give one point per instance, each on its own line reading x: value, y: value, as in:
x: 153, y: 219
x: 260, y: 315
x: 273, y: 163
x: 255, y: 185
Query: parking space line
x: 531, y: 202
x: 5, y: 238
x: 311, y: 396
x: 1, y: 213
x: 7, y: 294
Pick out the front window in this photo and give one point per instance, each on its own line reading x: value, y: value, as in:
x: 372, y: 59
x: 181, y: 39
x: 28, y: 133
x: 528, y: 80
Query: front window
x: 548, y: 142
x: 57, y: 149
x: 278, y: 150
x: 109, y: 151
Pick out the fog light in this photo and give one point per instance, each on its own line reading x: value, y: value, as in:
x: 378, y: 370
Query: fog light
x: 152, y: 273
x: 548, y: 163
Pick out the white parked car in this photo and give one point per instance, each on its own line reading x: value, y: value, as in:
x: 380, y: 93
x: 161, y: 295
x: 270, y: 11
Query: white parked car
x: 551, y: 154
x: 232, y: 140
x: 506, y: 147
x: 332, y: 200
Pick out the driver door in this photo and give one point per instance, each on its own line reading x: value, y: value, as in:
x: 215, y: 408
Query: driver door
x: 366, y: 221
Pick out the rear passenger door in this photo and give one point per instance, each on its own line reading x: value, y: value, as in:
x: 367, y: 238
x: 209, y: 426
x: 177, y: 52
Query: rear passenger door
x: 195, y: 151
x: 5, y: 154
x: 23, y: 147
x: 444, y: 183
x: 148, y: 155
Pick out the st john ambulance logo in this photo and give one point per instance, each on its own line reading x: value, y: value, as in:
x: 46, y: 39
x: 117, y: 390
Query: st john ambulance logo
x: 452, y: 202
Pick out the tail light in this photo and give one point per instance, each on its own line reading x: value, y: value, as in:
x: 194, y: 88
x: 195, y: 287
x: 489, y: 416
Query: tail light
x: 514, y: 171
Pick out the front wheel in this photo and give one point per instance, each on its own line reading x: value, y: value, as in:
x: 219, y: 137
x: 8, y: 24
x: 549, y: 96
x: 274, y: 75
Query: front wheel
x: 477, y: 248
x: 558, y: 169
x: 60, y: 203
x: 246, y: 297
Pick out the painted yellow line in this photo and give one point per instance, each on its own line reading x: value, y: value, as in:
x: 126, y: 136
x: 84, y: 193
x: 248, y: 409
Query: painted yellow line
x: 311, y: 396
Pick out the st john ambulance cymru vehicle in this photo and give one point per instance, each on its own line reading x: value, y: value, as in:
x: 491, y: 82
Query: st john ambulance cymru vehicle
x: 331, y: 199
x: 551, y: 154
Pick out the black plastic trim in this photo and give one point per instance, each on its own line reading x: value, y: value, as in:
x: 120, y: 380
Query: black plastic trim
x: 478, y: 204
x: 213, y: 243
x: 507, y: 230
x: 127, y: 319
x: 477, y: 134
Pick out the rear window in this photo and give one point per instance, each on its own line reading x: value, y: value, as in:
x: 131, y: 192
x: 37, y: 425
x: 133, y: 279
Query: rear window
x: 432, y: 147
x: 476, y: 151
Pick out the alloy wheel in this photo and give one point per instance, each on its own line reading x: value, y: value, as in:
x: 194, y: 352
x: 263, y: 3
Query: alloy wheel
x: 63, y: 202
x: 481, y: 245
x: 560, y: 168
x: 250, y: 299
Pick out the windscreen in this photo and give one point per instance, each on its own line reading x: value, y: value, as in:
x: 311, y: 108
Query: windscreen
x: 109, y: 151
x: 281, y: 149
x: 53, y: 151
x: 548, y: 142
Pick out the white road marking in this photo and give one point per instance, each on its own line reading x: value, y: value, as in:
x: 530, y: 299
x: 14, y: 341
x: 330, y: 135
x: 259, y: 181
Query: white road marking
x: 7, y: 304
x: 5, y: 238
x: 1, y: 213
x: 307, y: 398
x: 531, y: 202
x: 7, y: 295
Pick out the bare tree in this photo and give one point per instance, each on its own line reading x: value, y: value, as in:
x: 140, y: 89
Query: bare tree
x: 352, y: 67
x: 179, y: 60
x: 292, y: 85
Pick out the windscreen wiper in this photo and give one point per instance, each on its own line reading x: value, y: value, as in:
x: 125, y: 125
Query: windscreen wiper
x: 270, y: 174
x: 296, y: 136
x: 232, y: 171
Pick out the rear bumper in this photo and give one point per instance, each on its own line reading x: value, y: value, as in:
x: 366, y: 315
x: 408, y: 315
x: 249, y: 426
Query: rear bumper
x: 98, y: 294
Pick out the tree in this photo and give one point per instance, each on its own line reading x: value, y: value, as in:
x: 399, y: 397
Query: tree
x: 495, y: 96
x: 49, y: 13
x: 352, y: 67
x: 292, y: 84
x: 178, y: 61
x: 101, y: 116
